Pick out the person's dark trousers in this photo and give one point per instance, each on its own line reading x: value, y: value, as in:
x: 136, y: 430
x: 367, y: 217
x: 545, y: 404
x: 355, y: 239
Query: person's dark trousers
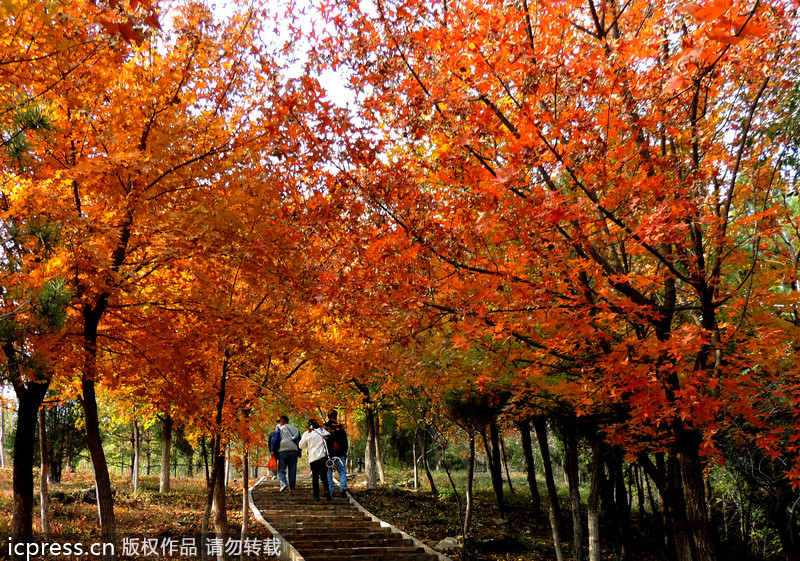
x: 319, y: 472
x: 287, y: 460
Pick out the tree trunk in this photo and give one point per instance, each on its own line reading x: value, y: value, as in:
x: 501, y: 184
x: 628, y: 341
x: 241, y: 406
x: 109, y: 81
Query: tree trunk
x: 137, y: 450
x: 622, y: 506
x: 166, y: 451
x: 29, y: 396
x: 666, y: 476
x: 426, y: 463
x: 204, y: 450
x: 220, y: 507
x: 637, y: 478
x: 227, y: 467
x: 573, y: 476
x: 2, y: 433
x: 22, y: 509
x: 105, y: 500
x: 593, y: 503
x: 370, y: 454
x: 45, y: 468
x: 147, y: 453
x: 211, y: 486
x: 470, y: 478
x: 215, y: 497
x: 505, y: 464
x: 554, y: 510
x: 530, y: 467
x: 495, y: 466
x: 692, y: 470
x: 245, y: 501
x: 416, y: 470
x: 378, y: 454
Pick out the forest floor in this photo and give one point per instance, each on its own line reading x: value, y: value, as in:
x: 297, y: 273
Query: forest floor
x: 515, y: 535
x: 147, y: 514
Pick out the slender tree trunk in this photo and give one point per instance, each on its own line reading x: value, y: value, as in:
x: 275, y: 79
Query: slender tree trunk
x: 370, y: 454
x: 573, y: 477
x: 495, y: 466
x: 204, y: 450
x: 530, y: 467
x: 554, y: 510
x: 637, y: 478
x: 593, y: 503
x: 215, y: 497
x: 2, y: 433
x: 416, y: 470
x: 137, y: 452
x: 105, y: 500
x: 228, y: 467
x: 470, y: 479
x: 653, y: 508
x: 621, y: 503
x: 220, y: 508
x: 426, y: 463
x: 45, y: 469
x: 211, y: 485
x: 147, y: 453
x: 245, y: 501
x: 166, y: 451
x: 505, y: 464
x: 378, y: 453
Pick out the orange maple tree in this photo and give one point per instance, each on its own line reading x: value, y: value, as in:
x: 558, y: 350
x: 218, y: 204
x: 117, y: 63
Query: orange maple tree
x: 594, y: 183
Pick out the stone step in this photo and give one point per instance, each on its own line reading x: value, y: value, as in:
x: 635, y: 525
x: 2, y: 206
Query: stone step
x: 321, y: 523
x: 373, y: 557
x: 331, y: 530
x: 391, y: 540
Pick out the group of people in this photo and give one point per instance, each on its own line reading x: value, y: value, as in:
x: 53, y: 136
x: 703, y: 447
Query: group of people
x: 326, y: 446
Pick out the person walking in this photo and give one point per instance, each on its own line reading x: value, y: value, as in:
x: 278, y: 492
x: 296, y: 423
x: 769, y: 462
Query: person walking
x: 337, y: 450
x: 314, y: 441
x: 273, y: 440
x: 288, y: 452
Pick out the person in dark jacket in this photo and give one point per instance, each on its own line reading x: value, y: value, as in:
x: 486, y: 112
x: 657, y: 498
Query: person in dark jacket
x: 272, y: 440
x: 337, y: 450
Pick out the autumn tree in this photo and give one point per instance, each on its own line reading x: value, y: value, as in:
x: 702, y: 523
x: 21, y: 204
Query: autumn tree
x: 600, y: 182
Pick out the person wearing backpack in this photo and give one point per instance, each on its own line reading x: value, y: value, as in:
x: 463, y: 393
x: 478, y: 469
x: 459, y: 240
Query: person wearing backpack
x: 288, y: 452
x: 337, y: 450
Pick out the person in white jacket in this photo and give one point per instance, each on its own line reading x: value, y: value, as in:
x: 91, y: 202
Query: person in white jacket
x: 313, y: 441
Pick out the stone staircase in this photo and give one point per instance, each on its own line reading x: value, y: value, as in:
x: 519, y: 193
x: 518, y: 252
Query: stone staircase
x: 337, y: 530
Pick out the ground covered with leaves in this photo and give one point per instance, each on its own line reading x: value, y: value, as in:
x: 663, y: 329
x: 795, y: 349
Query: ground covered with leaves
x: 515, y: 535
x: 146, y: 513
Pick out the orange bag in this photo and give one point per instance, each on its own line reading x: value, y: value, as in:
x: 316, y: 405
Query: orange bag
x: 272, y: 464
